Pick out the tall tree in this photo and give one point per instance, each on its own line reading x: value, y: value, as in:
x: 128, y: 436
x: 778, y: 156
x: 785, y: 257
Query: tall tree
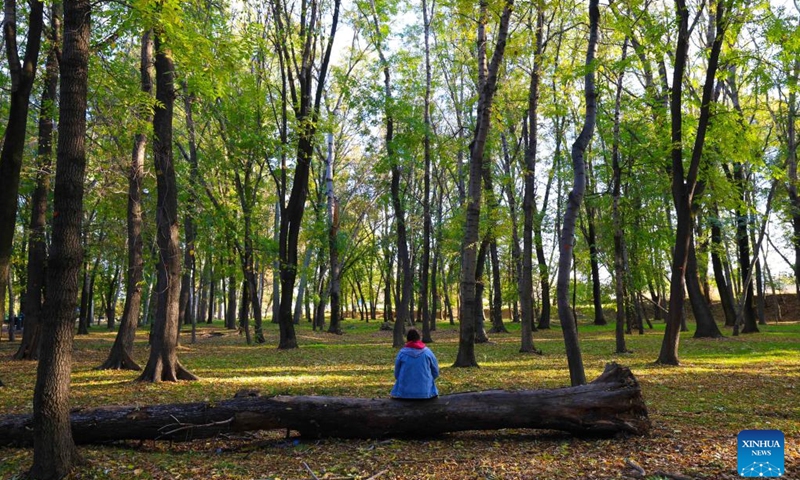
x: 121, y: 354
x: 306, y: 103
x: 163, y: 364
x: 566, y: 242
x: 37, y: 243
x: 54, y: 452
x: 470, y: 242
x: 683, y: 186
x: 333, y: 247
x: 22, y: 75
x: 594, y: 251
x: 404, y: 261
x: 791, y: 167
x: 529, y: 197
x: 427, y: 317
x: 619, y: 234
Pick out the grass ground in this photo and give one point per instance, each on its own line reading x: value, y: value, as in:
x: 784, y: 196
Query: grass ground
x: 723, y: 386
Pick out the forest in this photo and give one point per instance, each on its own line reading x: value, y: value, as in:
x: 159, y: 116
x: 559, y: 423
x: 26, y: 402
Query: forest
x: 540, y: 187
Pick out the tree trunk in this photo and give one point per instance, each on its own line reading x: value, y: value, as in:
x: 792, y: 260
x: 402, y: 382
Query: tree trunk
x: 306, y: 114
x: 569, y: 330
x: 480, y: 286
x: 163, y: 364
x: 54, y: 452
x: 791, y: 168
x: 448, y: 306
x: 511, y: 198
x: 620, y: 274
x: 529, y: 197
x: 723, y: 286
x: 14, y: 139
x: 121, y: 355
x: 37, y: 246
x: 276, y: 277
x: 249, y: 272
x: 683, y: 188
x: 387, y: 290
x: 470, y: 243
x: 404, y: 261
x: 12, y: 328
x: 497, y: 299
x: 538, y: 218
x: 301, y: 290
x: 230, y: 311
x: 704, y: 319
x: 428, y: 312
x: 743, y: 246
x: 610, y: 405
x: 599, y: 318
x: 333, y: 247
x: 87, y: 297
x: 244, y: 312
x: 110, y: 300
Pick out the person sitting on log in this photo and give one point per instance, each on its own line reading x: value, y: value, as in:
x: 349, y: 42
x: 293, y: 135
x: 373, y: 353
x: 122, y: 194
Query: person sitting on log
x: 415, y: 370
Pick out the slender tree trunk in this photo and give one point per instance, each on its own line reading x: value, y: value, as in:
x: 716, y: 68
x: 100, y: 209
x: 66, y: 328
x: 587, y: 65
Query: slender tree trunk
x: 244, y: 312
x: 121, y: 354
x: 12, y: 328
x: 14, y: 139
x: 683, y: 188
x: 306, y: 114
x: 111, y: 299
x: 496, y: 300
x: 723, y: 286
x: 163, y: 364
x: 599, y: 318
x: 760, y: 294
x: 427, y: 316
x: 404, y: 261
x: 529, y: 197
x: 276, y: 277
x: 446, y: 289
x: 333, y: 247
x: 791, y: 167
x: 704, y: 319
x: 87, y: 293
x: 511, y: 198
x: 37, y: 246
x: 743, y: 244
x: 574, y: 358
x: 301, y: 290
x: 620, y: 274
x: 230, y: 312
x: 480, y: 318
x: 469, y: 299
x: 54, y: 452
x: 387, y: 290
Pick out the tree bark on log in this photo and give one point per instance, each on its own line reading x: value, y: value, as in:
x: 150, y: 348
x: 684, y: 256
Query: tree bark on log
x: 611, y: 404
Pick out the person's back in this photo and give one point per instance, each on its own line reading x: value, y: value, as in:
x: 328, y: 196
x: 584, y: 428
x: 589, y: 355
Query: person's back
x: 415, y: 370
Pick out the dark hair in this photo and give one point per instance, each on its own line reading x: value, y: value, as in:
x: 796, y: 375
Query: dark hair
x: 412, y: 335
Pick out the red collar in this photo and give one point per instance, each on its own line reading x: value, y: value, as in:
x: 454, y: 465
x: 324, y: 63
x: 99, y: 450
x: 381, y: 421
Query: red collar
x: 416, y: 344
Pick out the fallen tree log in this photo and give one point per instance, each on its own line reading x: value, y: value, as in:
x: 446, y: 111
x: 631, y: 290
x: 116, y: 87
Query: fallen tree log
x: 609, y: 405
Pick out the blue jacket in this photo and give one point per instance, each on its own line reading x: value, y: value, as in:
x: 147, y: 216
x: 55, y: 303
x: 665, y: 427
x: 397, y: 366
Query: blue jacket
x: 415, y: 371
